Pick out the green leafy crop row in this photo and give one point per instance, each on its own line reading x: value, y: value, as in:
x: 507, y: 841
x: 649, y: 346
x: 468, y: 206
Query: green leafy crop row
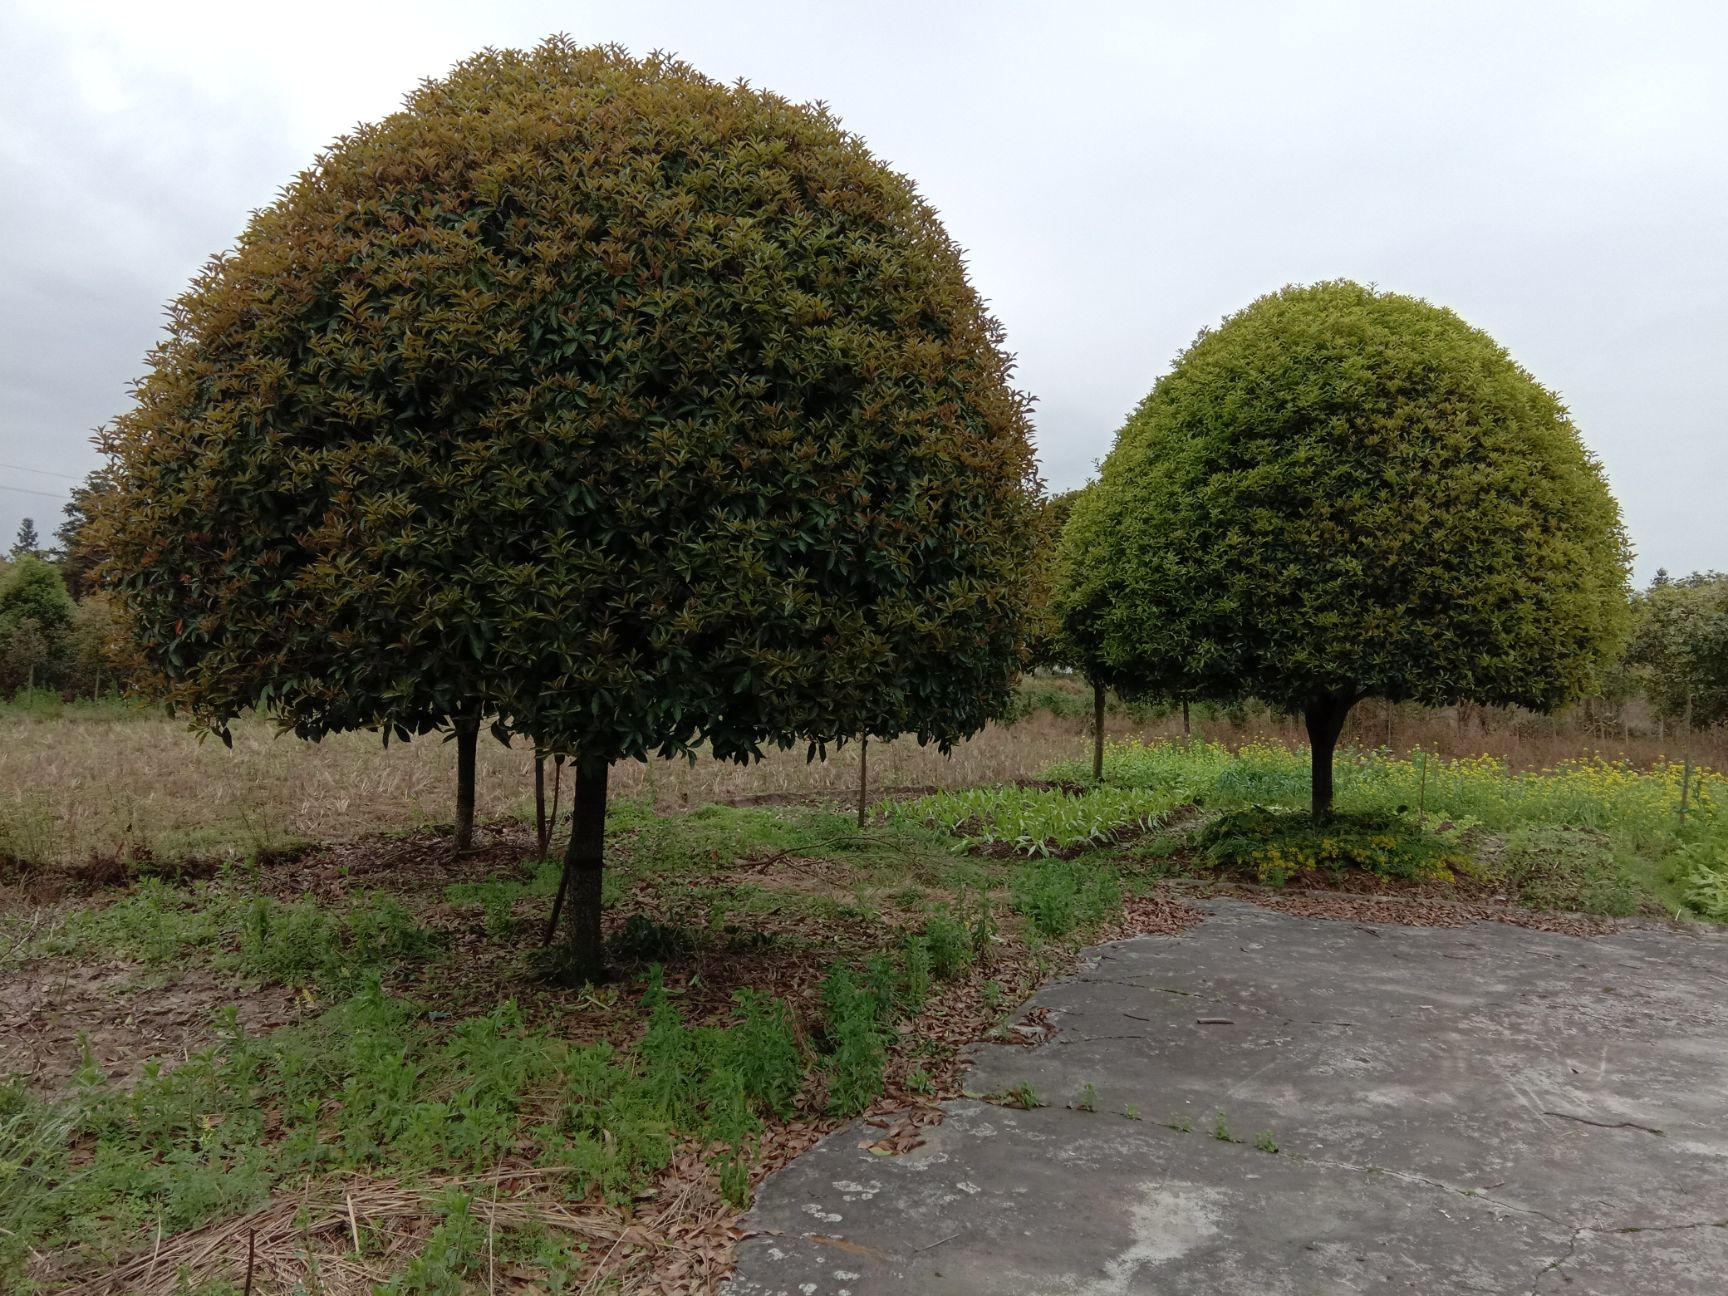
x: 1037, y: 821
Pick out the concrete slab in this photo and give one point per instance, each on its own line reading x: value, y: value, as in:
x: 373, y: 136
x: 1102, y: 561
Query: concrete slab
x: 1476, y: 1109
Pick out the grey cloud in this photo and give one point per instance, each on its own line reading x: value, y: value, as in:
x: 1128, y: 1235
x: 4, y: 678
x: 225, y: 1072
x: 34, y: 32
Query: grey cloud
x: 1122, y: 175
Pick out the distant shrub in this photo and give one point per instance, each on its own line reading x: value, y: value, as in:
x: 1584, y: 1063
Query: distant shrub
x: 35, y: 626
x: 1062, y: 697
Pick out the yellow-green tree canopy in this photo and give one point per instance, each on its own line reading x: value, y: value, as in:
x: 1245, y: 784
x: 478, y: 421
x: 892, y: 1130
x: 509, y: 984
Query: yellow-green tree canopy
x: 634, y: 409
x: 1342, y: 493
x: 1679, y: 646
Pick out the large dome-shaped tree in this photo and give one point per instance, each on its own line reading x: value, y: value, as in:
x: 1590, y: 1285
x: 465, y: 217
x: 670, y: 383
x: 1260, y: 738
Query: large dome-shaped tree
x: 639, y: 412
x: 1341, y: 493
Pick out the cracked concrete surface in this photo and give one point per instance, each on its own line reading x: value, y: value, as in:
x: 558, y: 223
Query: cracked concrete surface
x: 1476, y: 1109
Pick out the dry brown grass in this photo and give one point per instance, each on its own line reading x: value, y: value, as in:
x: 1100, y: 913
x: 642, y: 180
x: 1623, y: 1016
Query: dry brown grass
x: 318, y: 1232
x: 73, y: 789
x: 110, y: 786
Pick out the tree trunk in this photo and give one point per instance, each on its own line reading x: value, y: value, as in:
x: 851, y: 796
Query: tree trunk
x: 1325, y: 720
x: 467, y: 741
x: 542, y: 830
x: 584, y: 865
x: 557, y: 786
x: 1186, y: 731
x: 863, y: 776
x: 1097, y: 732
x: 1686, y: 769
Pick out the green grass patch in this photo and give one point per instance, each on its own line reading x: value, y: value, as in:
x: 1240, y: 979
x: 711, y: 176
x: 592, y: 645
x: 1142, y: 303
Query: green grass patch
x: 379, y: 1085
x: 1589, y: 834
x: 300, y: 942
x: 374, y: 1085
x: 45, y: 705
x: 716, y: 835
x: 1583, y: 793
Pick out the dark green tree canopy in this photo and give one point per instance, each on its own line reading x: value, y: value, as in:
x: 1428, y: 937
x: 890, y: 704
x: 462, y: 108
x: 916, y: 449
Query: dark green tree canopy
x: 636, y: 409
x: 1343, y: 493
x: 78, y: 559
x: 26, y: 544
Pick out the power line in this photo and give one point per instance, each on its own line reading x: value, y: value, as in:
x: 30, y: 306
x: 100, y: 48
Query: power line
x: 44, y: 472
x: 25, y: 490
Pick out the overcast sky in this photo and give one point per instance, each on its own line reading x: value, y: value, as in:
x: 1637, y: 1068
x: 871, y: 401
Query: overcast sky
x: 1121, y: 174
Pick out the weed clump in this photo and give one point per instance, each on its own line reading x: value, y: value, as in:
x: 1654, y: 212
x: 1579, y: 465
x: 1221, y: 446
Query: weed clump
x: 948, y: 943
x: 453, y: 1253
x: 854, y: 1026
x: 1702, y: 867
x: 1553, y: 867
x: 1058, y: 896
x: 1278, y: 846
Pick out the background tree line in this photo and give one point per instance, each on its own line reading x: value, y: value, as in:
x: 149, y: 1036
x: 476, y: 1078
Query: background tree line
x: 58, y: 631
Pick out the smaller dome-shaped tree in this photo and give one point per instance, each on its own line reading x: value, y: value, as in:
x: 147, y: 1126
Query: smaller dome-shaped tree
x: 1338, y: 494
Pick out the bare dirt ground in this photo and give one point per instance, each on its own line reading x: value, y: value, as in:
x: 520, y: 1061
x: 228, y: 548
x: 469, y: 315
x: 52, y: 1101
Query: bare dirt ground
x: 54, y: 1014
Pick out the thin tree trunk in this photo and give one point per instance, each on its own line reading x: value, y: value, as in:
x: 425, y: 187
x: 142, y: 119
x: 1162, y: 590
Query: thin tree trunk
x: 1324, y: 717
x: 1186, y: 730
x: 542, y: 830
x: 467, y: 742
x: 557, y: 787
x: 863, y: 776
x: 1097, y: 732
x: 1686, y: 768
x: 584, y: 865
